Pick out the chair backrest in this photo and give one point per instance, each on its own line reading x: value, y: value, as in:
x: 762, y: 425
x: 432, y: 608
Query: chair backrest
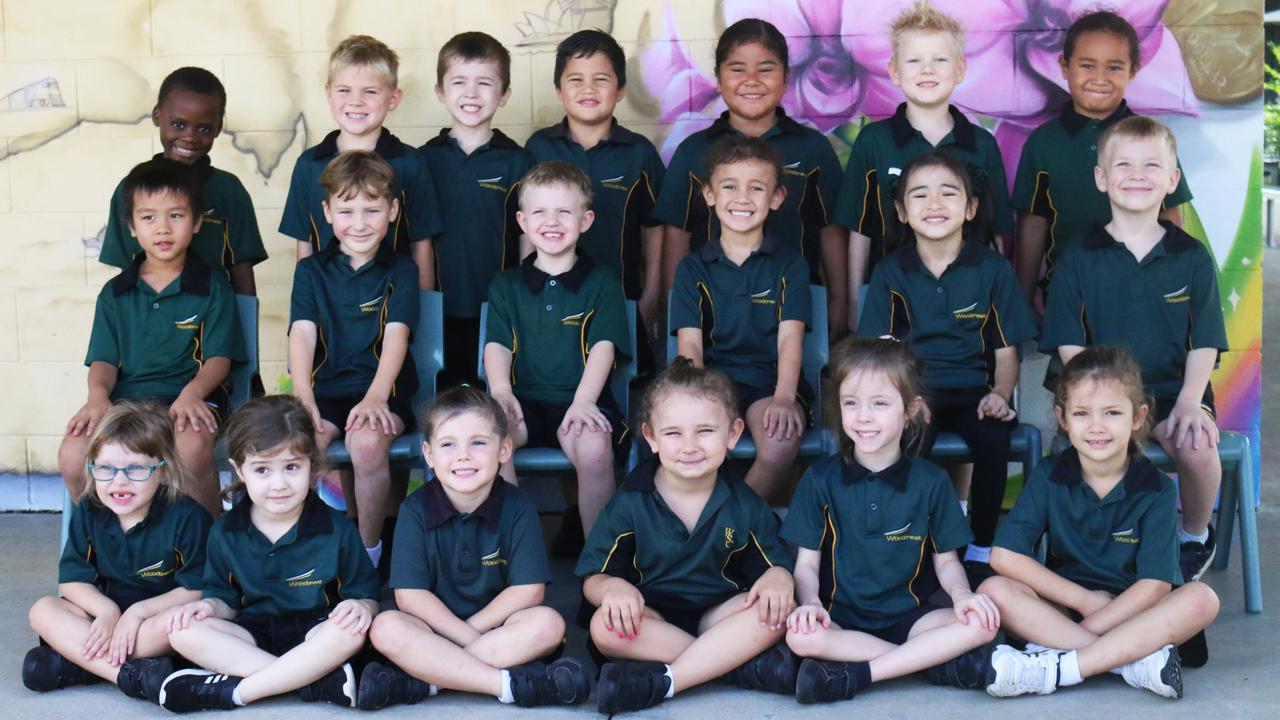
x: 242, y: 373
x: 428, y: 346
x: 619, y: 380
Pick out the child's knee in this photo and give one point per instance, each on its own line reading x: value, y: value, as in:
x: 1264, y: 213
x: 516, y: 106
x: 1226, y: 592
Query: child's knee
x: 41, y: 613
x: 547, y: 625
x: 812, y: 644
x: 367, y: 447
x: 1198, y: 460
x: 1202, y: 603
x: 606, y: 640
x: 192, y: 443
x: 999, y: 589
x: 391, y: 633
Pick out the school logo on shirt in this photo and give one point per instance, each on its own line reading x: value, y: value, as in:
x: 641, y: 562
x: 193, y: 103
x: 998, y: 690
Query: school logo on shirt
x: 492, y: 559
x: 1128, y: 537
x: 492, y: 183
x: 371, y: 305
x: 616, y: 183
x: 901, y: 534
x: 968, y: 313
x: 793, y: 169
x: 764, y: 297
x: 574, y: 320
x: 306, y: 579
x: 728, y: 537
x: 154, y: 570
x: 1178, y: 296
x: 189, y: 323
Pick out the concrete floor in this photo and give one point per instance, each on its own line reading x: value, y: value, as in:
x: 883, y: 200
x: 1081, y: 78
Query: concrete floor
x: 1235, y: 684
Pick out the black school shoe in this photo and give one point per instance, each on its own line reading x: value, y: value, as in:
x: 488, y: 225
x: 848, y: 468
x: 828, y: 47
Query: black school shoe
x: 563, y: 682
x: 385, y: 684
x: 338, y: 688
x: 773, y: 670
x: 191, y: 690
x: 141, y: 678
x: 43, y: 669
x: 970, y: 671
x: 627, y: 686
x: 823, y: 681
x: 1194, y: 557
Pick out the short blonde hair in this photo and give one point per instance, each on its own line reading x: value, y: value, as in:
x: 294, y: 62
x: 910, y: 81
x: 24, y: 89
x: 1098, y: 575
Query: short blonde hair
x: 557, y: 172
x: 924, y: 18
x: 1137, y: 127
x: 365, y: 51
x: 143, y: 428
x: 360, y: 172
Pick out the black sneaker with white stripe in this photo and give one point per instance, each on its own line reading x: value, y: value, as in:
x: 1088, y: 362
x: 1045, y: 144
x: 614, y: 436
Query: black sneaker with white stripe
x: 1194, y: 557
x: 338, y: 688
x: 195, y: 689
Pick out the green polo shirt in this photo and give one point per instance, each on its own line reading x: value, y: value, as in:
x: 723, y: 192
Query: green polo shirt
x: 739, y: 307
x: 626, y: 172
x: 1106, y: 543
x: 1160, y: 308
x: 955, y: 323
x: 877, y: 533
x: 419, y: 217
x: 228, y: 230
x: 351, y: 309
x: 467, y: 559
x: 160, y: 340
x: 318, y: 563
x: 551, y: 322
x: 165, y: 550
x: 481, y: 236
x: 639, y: 539
x: 1055, y: 178
x: 810, y: 172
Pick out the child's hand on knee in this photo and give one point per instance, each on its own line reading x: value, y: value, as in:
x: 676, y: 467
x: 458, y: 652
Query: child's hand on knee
x: 511, y: 406
x: 583, y: 416
x: 373, y: 413
x: 354, y: 616
x: 624, y: 608
x: 978, y: 605
x: 97, y: 643
x: 85, y: 421
x: 783, y: 418
x: 124, y: 637
x: 993, y: 405
x: 181, y: 617
x: 1188, y: 422
x: 774, y: 596
x: 189, y: 412
x: 806, y: 619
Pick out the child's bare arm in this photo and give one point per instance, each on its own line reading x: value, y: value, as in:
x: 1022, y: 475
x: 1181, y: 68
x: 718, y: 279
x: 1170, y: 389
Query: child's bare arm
x: 1045, y: 582
x: 242, y: 281
x: 304, y: 249
x: 998, y: 403
x: 372, y: 410
x: 620, y: 599
x: 1187, y: 423
x: 774, y: 595
x: 584, y: 413
x: 675, y: 247
x: 809, y: 613
x: 1172, y: 214
x: 835, y: 263
x: 964, y: 600
x: 783, y: 418
x: 689, y: 344
x: 1033, y: 237
x: 1141, y: 596
x: 1066, y: 352
x: 507, y: 603
x: 651, y: 297
x: 102, y: 380
x: 189, y: 409
x: 424, y: 605
x: 424, y: 257
x: 859, y: 259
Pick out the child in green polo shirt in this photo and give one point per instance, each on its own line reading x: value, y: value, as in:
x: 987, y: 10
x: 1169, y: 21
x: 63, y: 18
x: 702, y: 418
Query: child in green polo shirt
x: 740, y: 304
x: 361, y: 90
x: 353, y: 310
x: 469, y: 574
x: 165, y: 329
x: 1053, y: 190
x: 556, y: 326
x: 751, y: 69
x: 927, y: 63
x: 1143, y: 283
x: 289, y: 592
x: 956, y: 301
x: 1109, y: 515
x: 625, y: 170
x: 481, y: 237
x: 684, y: 575
x: 189, y: 112
x: 877, y: 532
x: 135, y: 550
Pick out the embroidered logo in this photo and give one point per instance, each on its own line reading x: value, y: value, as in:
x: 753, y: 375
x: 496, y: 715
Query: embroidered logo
x: 188, y: 324
x: 763, y: 297
x: 306, y: 579
x: 967, y: 313
x: 728, y: 537
x: 370, y: 305
x: 493, y: 559
x: 793, y: 169
x: 895, y: 171
x: 574, y: 320
x: 616, y: 183
x: 900, y: 535
x: 1178, y: 296
x: 154, y: 570
x: 492, y: 183
x: 1125, y: 536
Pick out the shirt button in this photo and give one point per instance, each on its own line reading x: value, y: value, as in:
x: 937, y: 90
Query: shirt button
x: 552, y: 283
x: 875, y: 506
x: 1093, y: 148
x: 156, y: 305
x: 271, y: 554
x: 548, y: 308
x: 939, y: 288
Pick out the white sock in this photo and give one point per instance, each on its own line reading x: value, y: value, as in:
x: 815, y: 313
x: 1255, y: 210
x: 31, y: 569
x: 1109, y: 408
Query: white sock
x: 432, y: 690
x: 375, y: 553
x: 671, y: 690
x: 506, y: 696
x: 977, y: 553
x: 235, y: 697
x: 1186, y: 537
x: 1069, y: 669
x: 964, y: 507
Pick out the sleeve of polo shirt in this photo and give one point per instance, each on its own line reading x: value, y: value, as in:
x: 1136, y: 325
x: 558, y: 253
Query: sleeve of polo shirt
x: 677, y: 191
x: 500, y: 324
x: 856, y: 199
x: 358, y: 580
x: 763, y: 550
x: 219, y: 576
x: 115, y: 241
x: 806, y: 523
x: 654, y: 172
x: 610, y: 549
x: 609, y: 322
x: 409, y: 566
x: 1013, y: 315
x: 877, y: 306
x: 104, y: 338
x: 220, y: 332
x: 1207, y: 325
x: 422, y: 206
x: 1030, y: 515
x: 245, y: 237
x: 830, y: 177
x: 797, y: 303
x: 947, y: 524
x: 77, y: 555
x: 998, y: 190
x: 510, y: 205
x: 1158, y: 539
x: 527, y: 554
x: 295, y: 221
x: 686, y: 303
x: 302, y: 300
x: 1064, y: 318
x: 1182, y: 193
x: 1030, y: 185
x: 402, y: 306
x: 190, y: 540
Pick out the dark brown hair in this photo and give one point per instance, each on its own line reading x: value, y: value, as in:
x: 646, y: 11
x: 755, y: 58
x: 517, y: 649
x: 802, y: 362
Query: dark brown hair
x: 855, y: 355
x: 267, y: 425
x: 752, y: 30
x: 740, y: 148
x: 455, y: 401
x: 683, y: 377
x: 358, y: 172
x: 474, y: 47
x: 1103, y: 21
x: 1102, y: 363
x: 144, y: 428
x: 976, y: 230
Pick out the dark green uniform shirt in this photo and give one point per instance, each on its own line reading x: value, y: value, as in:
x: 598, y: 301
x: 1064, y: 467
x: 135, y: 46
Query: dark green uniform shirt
x: 351, y: 309
x: 877, y: 533
x: 1160, y: 308
x: 1105, y: 543
x: 467, y: 559
x: 318, y: 563
x: 954, y: 323
x: 419, y: 217
x: 880, y: 152
x: 1055, y: 178
x: 638, y: 538
x: 165, y: 550
x: 477, y: 196
x: 810, y: 172
x: 228, y: 230
x: 551, y: 322
x: 626, y: 173
x: 160, y: 340
x: 739, y: 307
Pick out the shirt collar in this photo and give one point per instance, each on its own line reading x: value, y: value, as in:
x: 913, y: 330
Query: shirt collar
x: 617, y: 133
x: 964, y: 133
x: 534, y: 278
x: 384, y: 255
x: 438, y: 509
x: 1175, y: 238
x: 895, y: 475
x: 314, y: 519
x: 784, y: 125
x: 388, y: 146
x: 1074, y: 122
x: 642, y: 477
x: 909, y: 258
x: 203, y: 167
x: 1141, y: 476
x: 499, y: 141
x: 159, y: 505
x: 712, y: 250
x: 195, y: 279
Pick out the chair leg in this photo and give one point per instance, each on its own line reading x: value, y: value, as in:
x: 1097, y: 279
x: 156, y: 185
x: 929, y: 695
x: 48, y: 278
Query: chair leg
x: 1228, y: 502
x: 66, y: 519
x: 1248, y: 532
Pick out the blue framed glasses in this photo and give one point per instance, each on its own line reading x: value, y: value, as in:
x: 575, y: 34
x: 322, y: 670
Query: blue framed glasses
x: 132, y: 473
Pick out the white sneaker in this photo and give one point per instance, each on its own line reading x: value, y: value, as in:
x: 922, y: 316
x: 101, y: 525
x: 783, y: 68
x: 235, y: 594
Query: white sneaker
x: 1021, y: 673
x: 1160, y: 672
